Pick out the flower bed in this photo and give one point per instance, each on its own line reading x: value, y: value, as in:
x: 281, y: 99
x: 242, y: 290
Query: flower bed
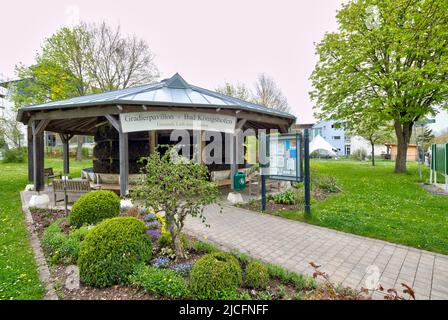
x: 163, y: 277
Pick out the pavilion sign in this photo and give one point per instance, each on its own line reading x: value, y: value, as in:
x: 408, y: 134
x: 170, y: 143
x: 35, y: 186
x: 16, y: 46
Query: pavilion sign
x: 172, y: 120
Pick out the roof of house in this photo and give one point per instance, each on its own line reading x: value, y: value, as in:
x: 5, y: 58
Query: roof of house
x: 174, y: 91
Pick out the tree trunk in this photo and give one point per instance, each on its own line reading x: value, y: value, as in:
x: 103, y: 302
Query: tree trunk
x: 373, y: 153
x: 403, y: 132
x: 79, y: 148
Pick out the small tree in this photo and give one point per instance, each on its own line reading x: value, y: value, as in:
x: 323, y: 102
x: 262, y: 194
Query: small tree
x: 177, y: 187
x: 373, y: 129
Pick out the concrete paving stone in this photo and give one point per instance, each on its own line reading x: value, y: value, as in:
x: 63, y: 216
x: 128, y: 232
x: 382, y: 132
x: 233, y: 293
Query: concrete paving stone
x: 293, y: 244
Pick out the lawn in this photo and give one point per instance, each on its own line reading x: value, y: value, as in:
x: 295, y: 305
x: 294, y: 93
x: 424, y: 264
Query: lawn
x: 378, y: 203
x: 18, y: 272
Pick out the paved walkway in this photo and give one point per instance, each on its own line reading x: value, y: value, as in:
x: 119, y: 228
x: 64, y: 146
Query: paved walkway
x: 347, y: 258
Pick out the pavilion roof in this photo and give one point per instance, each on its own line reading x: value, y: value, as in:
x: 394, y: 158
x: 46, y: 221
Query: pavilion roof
x: 174, y: 91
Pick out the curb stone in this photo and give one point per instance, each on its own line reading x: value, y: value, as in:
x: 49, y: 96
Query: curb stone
x: 44, y: 271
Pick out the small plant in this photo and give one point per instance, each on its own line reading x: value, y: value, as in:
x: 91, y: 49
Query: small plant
x: 286, y: 197
x: 263, y: 295
x: 287, y: 277
x: 162, y: 282
x: 336, y: 292
x: 161, y: 262
x: 112, y: 249
x: 215, y: 274
x: 359, y: 154
x: 204, y: 247
x: 179, y: 188
x: 62, y: 247
x: 94, y: 207
x: 326, y: 183
x: 183, y: 269
x: 257, y: 275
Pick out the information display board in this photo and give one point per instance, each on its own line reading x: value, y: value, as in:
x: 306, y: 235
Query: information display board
x: 284, y: 158
x: 439, y: 158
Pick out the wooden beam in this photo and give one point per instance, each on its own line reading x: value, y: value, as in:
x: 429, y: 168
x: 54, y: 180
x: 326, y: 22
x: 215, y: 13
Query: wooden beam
x: 30, y: 152
x: 240, y: 124
x: 38, y: 128
x: 124, y: 163
x: 152, y: 141
x: 114, y: 122
x: 65, y: 138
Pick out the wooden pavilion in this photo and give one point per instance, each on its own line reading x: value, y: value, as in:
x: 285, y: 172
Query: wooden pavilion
x: 136, y: 115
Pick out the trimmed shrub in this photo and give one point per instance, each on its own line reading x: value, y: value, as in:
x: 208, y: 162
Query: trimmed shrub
x: 61, y: 247
x: 257, y: 275
x: 162, y: 282
x: 112, y: 249
x: 93, y: 207
x: 215, y: 275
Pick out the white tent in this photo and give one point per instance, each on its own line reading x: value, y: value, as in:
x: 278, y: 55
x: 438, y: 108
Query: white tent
x: 320, y: 143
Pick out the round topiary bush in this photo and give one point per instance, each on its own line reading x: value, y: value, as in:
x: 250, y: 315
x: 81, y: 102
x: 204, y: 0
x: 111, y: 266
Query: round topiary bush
x: 215, y: 275
x: 112, y: 249
x: 257, y: 275
x: 93, y: 207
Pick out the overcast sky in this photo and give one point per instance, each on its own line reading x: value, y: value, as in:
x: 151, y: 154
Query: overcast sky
x: 207, y: 42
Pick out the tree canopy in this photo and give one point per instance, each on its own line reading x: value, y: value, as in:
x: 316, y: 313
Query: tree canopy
x: 81, y: 60
x: 389, y: 58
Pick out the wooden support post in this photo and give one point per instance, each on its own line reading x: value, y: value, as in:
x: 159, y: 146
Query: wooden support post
x: 38, y: 128
x: 124, y: 155
x: 65, y: 138
x: 152, y: 141
x: 124, y: 163
x: 30, y: 152
x: 233, y: 164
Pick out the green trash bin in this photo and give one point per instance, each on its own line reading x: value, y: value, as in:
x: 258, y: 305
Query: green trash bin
x: 239, y: 181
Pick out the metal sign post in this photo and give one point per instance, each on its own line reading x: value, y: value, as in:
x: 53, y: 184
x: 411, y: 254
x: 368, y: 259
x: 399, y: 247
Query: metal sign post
x: 306, y: 154
x: 282, y: 158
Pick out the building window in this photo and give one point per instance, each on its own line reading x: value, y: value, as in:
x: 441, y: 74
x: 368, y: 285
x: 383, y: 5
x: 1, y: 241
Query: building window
x: 337, y: 138
x: 347, y: 140
x: 347, y: 150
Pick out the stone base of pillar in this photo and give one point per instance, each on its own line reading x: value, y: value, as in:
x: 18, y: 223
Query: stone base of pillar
x: 41, y: 201
x: 235, y: 197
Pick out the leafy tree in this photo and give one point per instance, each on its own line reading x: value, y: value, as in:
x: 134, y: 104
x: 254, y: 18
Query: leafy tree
x: 268, y: 94
x: 388, y: 58
x: 373, y: 130
x: 442, y: 137
x: 239, y: 91
x: 82, y: 60
x: 177, y: 187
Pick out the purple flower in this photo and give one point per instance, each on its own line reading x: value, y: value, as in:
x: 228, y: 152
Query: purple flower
x: 153, y: 233
x: 183, y: 268
x: 152, y: 224
x: 150, y: 217
x: 161, y: 262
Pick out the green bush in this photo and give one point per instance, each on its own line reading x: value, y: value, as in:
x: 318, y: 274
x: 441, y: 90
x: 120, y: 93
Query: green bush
x: 93, y: 207
x: 359, y: 154
x: 14, y: 156
x: 162, y: 282
x: 112, y: 249
x: 326, y: 183
x: 257, y: 275
x: 286, y: 197
x: 287, y: 277
x: 61, y: 247
x: 215, y: 275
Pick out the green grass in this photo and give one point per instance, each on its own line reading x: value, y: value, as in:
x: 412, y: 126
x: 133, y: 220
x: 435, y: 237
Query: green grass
x: 18, y: 271
x: 378, y: 203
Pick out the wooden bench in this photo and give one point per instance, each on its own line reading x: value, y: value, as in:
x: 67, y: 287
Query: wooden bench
x: 49, y: 174
x: 70, y: 187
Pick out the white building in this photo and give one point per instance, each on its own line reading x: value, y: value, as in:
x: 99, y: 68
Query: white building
x: 343, y: 144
